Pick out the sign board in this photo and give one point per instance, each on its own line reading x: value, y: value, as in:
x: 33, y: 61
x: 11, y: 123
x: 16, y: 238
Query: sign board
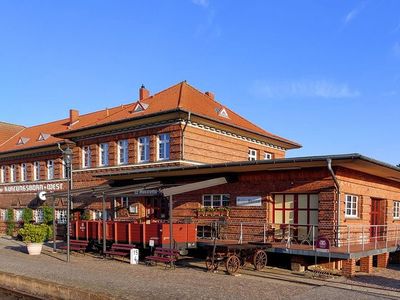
x: 322, y: 245
x: 146, y: 193
x: 134, y: 257
x: 249, y: 201
x: 31, y: 188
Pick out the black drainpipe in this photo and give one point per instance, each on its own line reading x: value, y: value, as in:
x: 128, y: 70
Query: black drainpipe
x: 329, y: 161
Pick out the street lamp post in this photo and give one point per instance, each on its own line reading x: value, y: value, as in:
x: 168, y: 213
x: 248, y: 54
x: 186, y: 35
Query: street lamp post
x: 67, y: 156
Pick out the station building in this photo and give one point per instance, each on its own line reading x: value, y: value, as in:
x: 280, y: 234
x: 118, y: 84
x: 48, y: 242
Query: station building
x: 182, y: 135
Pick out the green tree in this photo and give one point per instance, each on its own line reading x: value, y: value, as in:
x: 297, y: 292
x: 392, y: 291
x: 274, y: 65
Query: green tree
x: 10, y: 222
x: 47, y: 215
x: 27, y: 215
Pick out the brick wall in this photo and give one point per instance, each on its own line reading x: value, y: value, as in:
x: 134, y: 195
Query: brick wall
x: 210, y: 147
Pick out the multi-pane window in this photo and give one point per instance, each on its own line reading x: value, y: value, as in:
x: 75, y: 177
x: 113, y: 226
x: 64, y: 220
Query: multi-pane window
x: 103, y: 161
x: 36, y: 170
x: 396, y: 210
x: 50, y: 169
x: 2, y: 174
x: 18, y: 214
x: 163, y: 146
x: 64, y: 170
x: 86, y: 158
x: 215, y: 200
x: 351, y: 206
x: 144, y: 149
x: 13, y: 174
x: 61, y: 216
x: 122, y: 152
x: 252, y: 154
x: 24, y: 172
x: 268, y: 156
x: 3, y: 215
x: 38, y: 215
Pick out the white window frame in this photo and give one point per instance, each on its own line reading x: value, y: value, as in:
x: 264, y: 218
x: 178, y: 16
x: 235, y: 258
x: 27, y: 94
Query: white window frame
x: 144, y: 145
x: 252, y: 154
x: 61, y: 216
x: 216, y: 200
x: 103, y: 154
x: 122, y: 153
x: 13, y: 174
x: 351, y: 206
x: 3, y: 214
x: 86, y: 157
x: 38, y: 215
x: 2, y: 174
x: 268, y: 156
x: 396, y: 210
x: 18, y: 214
x: 163, y: 149
x: 36, y: 170
x: 50, y: 169
x: 23, y: 172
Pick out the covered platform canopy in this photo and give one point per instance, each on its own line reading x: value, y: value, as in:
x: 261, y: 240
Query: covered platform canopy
x: 352, y: 161
x: 139, y: 189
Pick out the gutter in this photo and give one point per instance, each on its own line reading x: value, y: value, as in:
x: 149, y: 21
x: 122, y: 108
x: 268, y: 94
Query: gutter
x: 329, y: 161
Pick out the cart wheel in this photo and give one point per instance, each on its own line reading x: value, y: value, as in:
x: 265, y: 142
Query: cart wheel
x: 210, y: 266
x: 232, y: 264
x: 260, y: 260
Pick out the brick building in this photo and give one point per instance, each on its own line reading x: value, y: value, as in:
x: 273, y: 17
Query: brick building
x: 182, y: 135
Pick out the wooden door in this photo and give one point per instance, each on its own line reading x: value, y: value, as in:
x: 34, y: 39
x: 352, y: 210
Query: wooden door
x: 377, y: 217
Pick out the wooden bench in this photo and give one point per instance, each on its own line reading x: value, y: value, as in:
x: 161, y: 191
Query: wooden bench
x: 164, y: 255
x: 76, y: 245
x: 123, y: 250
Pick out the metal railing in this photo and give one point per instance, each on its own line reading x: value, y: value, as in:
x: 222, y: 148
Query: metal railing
x: 345, y: 238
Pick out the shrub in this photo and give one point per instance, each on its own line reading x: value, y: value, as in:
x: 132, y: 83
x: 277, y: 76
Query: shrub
x: 47, y: 215
x: 10, y: 222
x: 32, y: 233
x: 27, y: 215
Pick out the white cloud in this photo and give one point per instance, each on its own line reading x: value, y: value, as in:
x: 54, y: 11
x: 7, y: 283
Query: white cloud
x: 303, y: 88
x: 202, y: 3
x: 353, y: 13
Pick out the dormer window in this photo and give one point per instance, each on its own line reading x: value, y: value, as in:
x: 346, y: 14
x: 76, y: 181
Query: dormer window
x: 22, y: 141
x: 223, y: 113
x: 140, y: 106
x: 43, y: 136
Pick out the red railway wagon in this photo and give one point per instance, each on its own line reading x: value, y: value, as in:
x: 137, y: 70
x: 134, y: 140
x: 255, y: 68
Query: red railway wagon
x: 184, y: 235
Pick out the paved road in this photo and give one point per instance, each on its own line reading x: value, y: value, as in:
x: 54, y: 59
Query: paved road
x: 138, y: 281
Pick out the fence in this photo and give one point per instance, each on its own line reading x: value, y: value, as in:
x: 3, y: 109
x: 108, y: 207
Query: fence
x: 345, y: 238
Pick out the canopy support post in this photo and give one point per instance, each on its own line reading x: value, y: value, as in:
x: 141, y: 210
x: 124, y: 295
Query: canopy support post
x: 104, y: 222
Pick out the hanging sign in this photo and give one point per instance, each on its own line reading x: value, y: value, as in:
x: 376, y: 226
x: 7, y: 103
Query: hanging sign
x: 322, y: 245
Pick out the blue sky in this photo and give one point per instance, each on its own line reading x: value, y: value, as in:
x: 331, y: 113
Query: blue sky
x: 323, y: 73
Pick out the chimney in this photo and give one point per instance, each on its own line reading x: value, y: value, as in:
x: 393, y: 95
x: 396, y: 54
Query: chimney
x: 143, y: 93
x: 73, y: 116
x: 211, y: 95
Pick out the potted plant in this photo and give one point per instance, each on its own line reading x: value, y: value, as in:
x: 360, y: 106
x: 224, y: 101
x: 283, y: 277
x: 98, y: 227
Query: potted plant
x: 34, y: 236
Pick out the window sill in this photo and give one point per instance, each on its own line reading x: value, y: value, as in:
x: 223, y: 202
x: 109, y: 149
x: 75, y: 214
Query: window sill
x: 352, y: 218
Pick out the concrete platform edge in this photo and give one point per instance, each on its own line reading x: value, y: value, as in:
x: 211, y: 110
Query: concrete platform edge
x: 47, y: 290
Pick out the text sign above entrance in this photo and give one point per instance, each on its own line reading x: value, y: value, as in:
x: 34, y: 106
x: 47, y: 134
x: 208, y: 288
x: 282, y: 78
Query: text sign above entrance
x: 32, y: 188
x: 249, y: 201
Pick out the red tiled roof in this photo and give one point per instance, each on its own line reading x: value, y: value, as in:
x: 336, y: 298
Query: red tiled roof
x: 181, y: 96
x: 8, y: 130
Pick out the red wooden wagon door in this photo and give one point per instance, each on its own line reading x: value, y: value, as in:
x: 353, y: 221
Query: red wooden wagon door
x: 377, y: 217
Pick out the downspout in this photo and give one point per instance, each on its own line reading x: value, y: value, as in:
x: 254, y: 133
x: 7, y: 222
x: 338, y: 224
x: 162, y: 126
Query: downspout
x: 329, y: 161
x: 183, y: 136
